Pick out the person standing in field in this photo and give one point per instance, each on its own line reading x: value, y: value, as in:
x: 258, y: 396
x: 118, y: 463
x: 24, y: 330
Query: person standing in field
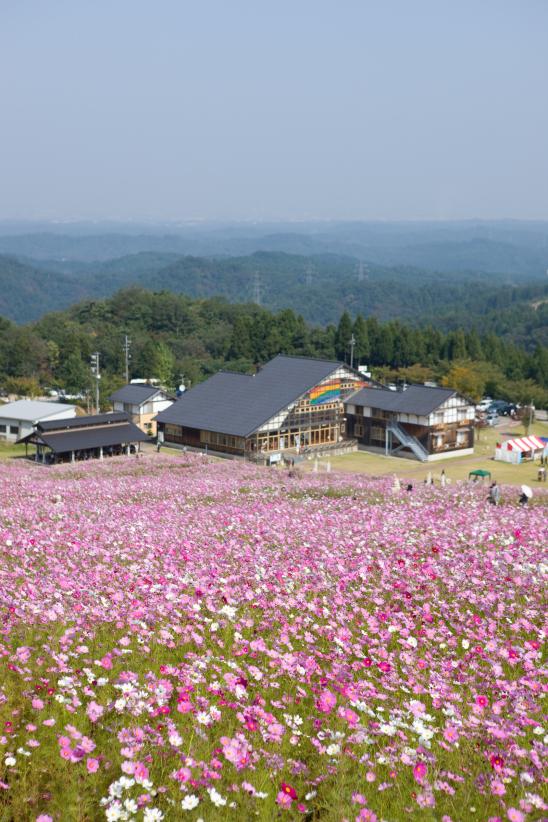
x: 494, y: 494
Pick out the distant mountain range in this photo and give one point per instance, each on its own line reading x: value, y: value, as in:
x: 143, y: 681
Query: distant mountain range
x: 449, y: 275
x: 501, y: 247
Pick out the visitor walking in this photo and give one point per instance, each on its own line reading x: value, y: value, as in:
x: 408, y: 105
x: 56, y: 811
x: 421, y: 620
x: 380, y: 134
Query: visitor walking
x: 494, y: 494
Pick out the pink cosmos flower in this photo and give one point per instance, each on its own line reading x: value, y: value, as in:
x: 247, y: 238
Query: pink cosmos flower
x: 326, y: 702
x: 497, y: 787
x: 482, y: 701
x: 94, y: 711
x: 515, y: 816
x: 283, y: 800
x: 289, y: 790
x: 419, y: 771
x: 450, y: 734
x: 44, y: 817
x: 92, y: 764
x: 140, y: 772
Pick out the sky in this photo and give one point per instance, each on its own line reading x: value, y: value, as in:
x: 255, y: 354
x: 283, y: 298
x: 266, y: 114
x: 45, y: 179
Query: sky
x: 168, y: 110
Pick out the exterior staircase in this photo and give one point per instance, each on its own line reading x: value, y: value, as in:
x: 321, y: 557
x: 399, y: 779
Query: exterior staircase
x: 406, y: 441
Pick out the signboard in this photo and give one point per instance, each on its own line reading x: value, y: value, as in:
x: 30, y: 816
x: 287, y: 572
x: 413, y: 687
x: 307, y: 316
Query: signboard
x: 275, y: 458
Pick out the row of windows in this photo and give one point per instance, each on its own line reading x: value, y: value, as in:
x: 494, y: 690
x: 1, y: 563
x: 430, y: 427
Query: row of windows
x: 213, y: 438
x: 14, y: 429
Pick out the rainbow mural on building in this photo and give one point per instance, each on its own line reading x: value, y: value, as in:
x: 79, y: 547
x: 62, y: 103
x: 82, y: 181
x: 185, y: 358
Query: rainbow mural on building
x: 325, y: 393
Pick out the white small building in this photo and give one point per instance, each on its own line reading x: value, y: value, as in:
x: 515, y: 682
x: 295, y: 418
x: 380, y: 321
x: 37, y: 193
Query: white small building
x: 19, y: 418
x: 142, y: 402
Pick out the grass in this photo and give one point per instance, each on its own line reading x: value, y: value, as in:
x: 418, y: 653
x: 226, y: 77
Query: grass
x: 9, y: 450
x: 456, y: 468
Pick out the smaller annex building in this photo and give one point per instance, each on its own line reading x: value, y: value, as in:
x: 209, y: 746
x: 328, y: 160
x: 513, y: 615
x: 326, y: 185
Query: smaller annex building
x: 17, y: 419
x: 291, y: 405
x: 83, y: 438
x: 142, y: 402
x: 418, y: 421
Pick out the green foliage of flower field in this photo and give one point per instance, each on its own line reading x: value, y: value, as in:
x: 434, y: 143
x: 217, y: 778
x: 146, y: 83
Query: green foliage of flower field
x: 184, y: 639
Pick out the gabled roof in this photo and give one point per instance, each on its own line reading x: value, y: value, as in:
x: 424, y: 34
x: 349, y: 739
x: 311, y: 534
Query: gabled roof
x: 238, y: 404
x: 87, y: 432
x: 420, y: 400
x: 136, y: 393
x: 87, y: 421
x: 33, y: 410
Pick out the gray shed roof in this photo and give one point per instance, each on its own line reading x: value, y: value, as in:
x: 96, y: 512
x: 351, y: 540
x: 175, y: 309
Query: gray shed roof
x: 136, y: 393
x: 33, y: 410
x: 86, y: 421
x: 238, y: 404
x: 90, y: 437
x: 416, y: 399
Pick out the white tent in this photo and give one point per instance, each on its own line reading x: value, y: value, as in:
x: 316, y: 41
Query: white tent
x: 516, y: 450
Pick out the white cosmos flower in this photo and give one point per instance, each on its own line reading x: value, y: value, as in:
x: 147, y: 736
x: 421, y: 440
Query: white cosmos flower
x: 216, y: 798
x: 153, y: 815
x: 189, y: 802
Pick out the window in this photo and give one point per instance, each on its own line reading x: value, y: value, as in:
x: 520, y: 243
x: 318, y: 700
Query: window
x: 378, y: 433
x: 2, y: 429
x: 14, y: 429
x: 358, y: 429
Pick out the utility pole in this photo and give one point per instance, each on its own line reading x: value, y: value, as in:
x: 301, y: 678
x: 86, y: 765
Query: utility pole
x: 127, y: 355
x: 95, y: 370
x: 352, y: 344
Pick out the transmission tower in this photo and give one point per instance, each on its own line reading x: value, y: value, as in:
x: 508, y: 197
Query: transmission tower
x: 257, y: 288
x: 309, y: 275
x: 362, y: 272
x: 127, y: 355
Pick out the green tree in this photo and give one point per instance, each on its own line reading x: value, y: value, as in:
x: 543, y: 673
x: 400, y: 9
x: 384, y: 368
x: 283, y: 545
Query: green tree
x: 362, y: 349
x: 342, y: 337
x: 465, y: 378
x: 75, y: 375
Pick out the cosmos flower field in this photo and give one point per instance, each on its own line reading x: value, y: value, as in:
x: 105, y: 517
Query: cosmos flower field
x: 184, y: 639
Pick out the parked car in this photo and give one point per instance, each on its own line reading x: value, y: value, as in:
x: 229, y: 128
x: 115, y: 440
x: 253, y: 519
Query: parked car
x: 484, y: 404
x: 492, y: 418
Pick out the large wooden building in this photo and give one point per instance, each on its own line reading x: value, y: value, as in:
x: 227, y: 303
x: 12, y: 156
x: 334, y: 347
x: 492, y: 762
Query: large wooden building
x: 292, y: 404
x: 419, y: 421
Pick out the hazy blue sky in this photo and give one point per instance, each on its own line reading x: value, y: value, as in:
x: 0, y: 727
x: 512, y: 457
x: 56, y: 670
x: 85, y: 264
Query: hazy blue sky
x: 247, y: 109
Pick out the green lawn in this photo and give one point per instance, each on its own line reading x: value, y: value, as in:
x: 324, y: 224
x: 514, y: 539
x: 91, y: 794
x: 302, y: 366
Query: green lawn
x: 8, y: 449
x: 456, y: 468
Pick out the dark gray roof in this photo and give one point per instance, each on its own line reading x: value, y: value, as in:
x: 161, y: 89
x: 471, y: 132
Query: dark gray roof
x: 91, y: 437
x: 135, y: 394
x: 416, y: 399
x: 83, y: 422
x: 238, y: 404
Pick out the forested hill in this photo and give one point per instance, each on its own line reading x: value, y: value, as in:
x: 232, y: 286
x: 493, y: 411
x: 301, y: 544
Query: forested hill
x: 319, y: 287
x: 175, y: 338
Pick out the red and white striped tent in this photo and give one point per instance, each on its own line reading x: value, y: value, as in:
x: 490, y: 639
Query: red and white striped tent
x: 515, y: 450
